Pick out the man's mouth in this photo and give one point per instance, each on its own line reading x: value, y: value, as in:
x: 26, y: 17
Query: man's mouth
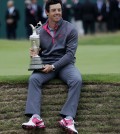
x: 57, y: 16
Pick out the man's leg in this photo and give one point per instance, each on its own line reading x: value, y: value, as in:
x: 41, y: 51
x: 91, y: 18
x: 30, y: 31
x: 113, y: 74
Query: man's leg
x: 33, y: 104
x: 70, y: 75
x: 8, y: 32
x: 14, y: 33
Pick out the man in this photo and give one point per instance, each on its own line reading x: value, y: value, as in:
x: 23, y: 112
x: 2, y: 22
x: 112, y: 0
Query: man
x: 111, y: 15
x: 33, y: 14
x: 11, y: 17
x: 77, y: 16
x: 44, y: 15
x: 66, y: 10
x: 88, y: 12
x: 100, y: 17
x: 58, y: 42
x: 118, y: 14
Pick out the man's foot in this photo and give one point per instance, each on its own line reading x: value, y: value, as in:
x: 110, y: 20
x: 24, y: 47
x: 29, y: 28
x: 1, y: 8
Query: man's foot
x: 68, y: 125
x: 34, y: 122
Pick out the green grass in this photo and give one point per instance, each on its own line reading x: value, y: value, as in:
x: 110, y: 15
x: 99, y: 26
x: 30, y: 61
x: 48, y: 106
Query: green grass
x: 99, y: 54
x: 98, y: 59
x: 87, y: 78
x: 101, y: 39
x: 14, y: 57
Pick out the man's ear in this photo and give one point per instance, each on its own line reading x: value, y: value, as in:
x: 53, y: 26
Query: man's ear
x: 46, y: 12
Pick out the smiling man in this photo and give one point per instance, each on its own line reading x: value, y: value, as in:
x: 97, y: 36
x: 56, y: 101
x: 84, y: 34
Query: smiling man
x: 58, y: 43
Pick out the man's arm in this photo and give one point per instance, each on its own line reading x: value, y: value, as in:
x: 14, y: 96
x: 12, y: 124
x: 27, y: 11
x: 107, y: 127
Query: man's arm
x: 71, y: 46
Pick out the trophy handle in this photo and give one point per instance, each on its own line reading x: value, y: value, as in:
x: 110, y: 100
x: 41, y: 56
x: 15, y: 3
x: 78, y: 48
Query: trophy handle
x: 33, y: 29
x: 39, y: 23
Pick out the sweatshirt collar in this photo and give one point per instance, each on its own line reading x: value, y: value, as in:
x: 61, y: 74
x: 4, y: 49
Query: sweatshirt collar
x: 56, y: 26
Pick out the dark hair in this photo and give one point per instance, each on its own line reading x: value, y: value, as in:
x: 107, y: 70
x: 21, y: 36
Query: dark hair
x: 52, y: 2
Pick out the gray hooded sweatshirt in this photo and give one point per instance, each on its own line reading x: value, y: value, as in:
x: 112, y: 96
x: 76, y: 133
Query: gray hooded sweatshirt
x: 58, y: 50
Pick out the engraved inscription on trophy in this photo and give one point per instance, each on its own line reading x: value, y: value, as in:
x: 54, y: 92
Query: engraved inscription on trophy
x: 36, y: 61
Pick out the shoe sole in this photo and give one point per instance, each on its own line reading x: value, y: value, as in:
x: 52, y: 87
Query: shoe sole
x: 68, y: 130
x: 40, y: 127
x: 28, y: 127
x: 31, y: 127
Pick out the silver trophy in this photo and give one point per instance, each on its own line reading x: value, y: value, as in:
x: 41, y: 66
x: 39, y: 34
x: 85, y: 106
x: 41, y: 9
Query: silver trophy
x: 36, y: 62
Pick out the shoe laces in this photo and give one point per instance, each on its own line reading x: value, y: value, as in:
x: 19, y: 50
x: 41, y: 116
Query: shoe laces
x: 70, y: 122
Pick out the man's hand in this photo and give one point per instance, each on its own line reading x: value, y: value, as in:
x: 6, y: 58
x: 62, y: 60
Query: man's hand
x: 99, y: 18
x: 32, y: 53
x: 10, y: 21
x: 47, y: 68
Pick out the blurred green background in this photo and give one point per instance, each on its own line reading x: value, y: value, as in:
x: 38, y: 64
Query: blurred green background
x: 19, y: 4
x: 98, y: 54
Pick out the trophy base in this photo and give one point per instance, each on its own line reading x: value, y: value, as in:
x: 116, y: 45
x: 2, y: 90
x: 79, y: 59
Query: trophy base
x: 35, y: 67
x: 36, y: 64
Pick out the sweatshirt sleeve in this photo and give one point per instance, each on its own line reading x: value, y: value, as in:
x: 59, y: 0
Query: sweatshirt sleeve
x: 71, y: 46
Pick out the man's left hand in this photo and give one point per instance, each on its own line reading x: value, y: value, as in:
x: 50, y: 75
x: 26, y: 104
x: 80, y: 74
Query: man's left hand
x: 47, y: 68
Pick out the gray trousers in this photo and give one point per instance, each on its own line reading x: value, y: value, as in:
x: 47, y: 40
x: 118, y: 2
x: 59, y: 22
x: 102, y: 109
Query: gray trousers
x: 70, y: 75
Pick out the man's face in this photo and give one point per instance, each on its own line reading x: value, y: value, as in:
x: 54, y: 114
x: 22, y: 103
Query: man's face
x: 34, y: 1
x: 45, y: 0
x: 55, y: 12
x: 10, y: 4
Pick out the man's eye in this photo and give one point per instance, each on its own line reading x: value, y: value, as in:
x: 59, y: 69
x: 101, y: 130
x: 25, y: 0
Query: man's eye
x: 54, y: 10
x: 59, y: 10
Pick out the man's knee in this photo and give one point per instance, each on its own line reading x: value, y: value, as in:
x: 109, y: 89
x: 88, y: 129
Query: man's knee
x: 35, y: 79
x: 78, y: 80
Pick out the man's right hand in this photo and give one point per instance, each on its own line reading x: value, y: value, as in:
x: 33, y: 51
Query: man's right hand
x: 32, y: 53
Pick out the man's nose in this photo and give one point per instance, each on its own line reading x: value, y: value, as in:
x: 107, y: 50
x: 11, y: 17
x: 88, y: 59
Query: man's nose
x: 57, y: 11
